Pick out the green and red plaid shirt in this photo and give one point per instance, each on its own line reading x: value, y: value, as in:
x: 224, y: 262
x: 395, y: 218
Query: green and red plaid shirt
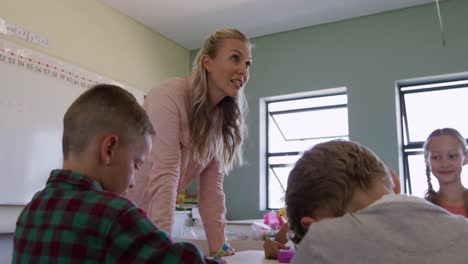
x: 73, y: 220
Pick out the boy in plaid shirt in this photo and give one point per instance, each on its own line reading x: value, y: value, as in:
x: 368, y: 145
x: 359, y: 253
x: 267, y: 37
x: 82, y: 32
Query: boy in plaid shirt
x: 80, y: 216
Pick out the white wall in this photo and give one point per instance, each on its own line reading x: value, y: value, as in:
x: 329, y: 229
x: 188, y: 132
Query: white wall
x: 90, y: 35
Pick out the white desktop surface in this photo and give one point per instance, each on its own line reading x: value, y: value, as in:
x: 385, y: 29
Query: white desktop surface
x: 249, y: 256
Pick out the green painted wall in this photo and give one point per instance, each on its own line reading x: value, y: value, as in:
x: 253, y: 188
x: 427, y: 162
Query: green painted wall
x: 367, y: 55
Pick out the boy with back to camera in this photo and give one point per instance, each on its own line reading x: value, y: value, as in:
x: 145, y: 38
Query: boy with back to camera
x: 342, y: 208
x: 80, y: 216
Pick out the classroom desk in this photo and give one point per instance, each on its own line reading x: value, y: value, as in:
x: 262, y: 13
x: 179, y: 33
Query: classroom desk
x: 249, y: 256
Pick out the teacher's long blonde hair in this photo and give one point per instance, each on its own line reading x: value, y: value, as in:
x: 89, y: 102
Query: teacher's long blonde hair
x: 226, y: 140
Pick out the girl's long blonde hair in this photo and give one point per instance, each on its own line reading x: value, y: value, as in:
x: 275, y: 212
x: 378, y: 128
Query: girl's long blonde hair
x: 224, y: 141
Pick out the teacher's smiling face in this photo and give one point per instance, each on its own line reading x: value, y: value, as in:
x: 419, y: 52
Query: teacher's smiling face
x: 228, y: 71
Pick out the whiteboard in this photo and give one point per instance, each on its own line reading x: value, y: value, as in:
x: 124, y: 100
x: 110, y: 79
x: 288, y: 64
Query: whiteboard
x: 36, y: 90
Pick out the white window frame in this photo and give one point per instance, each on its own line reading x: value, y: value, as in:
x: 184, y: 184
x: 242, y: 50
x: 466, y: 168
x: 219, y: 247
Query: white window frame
x: 264, y: 124
x: 409, y: 147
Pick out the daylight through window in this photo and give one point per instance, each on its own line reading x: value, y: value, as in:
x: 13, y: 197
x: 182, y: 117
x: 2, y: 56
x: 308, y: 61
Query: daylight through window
x: 426, y: 105
x: 294, y: 124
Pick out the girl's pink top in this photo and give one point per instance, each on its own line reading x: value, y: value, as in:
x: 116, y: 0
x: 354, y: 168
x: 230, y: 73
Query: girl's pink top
x: 170, y: 169
x: 458, y: 210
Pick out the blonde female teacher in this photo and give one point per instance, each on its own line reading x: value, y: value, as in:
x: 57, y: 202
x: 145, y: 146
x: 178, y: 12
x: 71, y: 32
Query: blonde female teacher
x: 199, y: 124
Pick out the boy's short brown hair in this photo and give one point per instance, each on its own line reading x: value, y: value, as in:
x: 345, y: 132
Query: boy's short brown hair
x: 103, y: 108
x: 325, y: 178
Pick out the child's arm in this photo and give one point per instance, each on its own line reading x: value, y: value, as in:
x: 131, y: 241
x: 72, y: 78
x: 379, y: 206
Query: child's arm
x: 281, y: 235
x: 272, y: 246
x: 133, y: 238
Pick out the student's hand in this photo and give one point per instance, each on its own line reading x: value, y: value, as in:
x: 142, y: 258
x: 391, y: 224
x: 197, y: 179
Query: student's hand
x: 272, y: 248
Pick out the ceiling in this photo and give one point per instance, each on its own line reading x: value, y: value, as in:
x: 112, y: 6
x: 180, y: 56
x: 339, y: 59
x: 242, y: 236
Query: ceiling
x: 188, y: 22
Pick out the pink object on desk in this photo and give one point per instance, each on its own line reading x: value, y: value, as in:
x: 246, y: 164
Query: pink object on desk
x: 285, y: 255
x: 273, y: 220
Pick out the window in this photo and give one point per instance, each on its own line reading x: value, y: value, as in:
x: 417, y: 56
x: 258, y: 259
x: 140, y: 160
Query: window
x: 425, y: 105
x: 292, y: 124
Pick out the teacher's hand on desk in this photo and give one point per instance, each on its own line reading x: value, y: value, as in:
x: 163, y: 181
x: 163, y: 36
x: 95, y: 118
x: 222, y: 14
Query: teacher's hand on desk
x: 210, y: 260
x: 229, y: 252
